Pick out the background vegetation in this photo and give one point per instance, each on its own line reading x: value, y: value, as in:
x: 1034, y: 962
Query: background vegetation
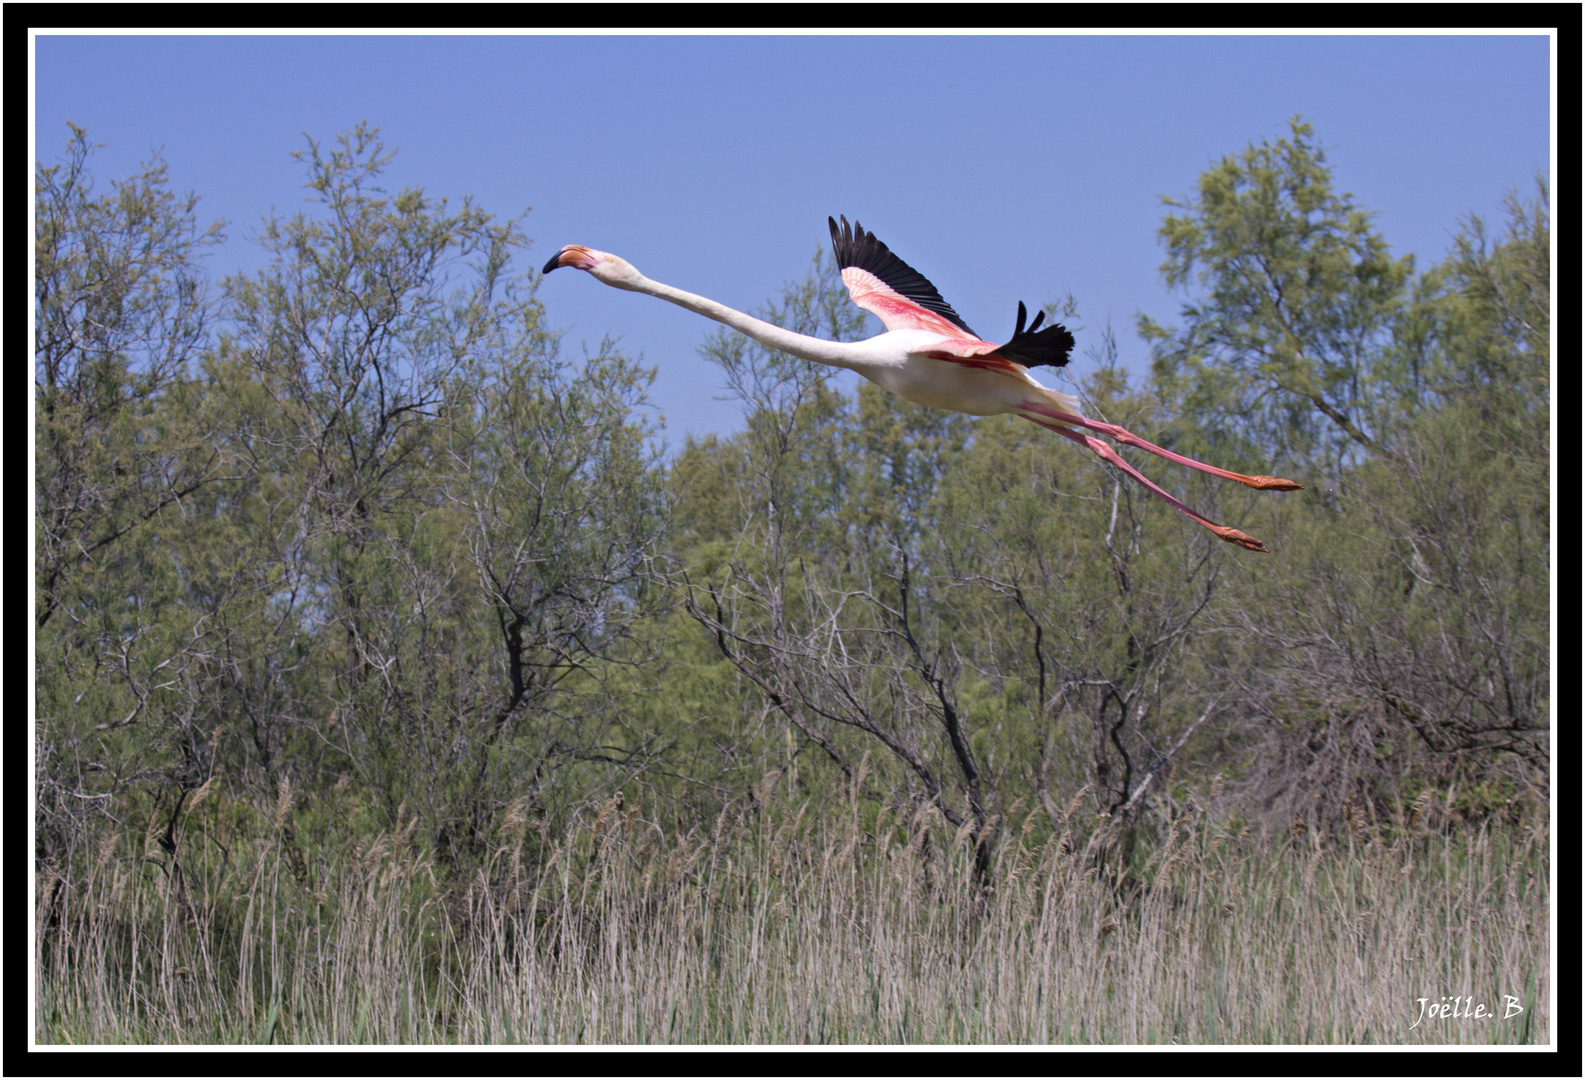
x: 392, y: 686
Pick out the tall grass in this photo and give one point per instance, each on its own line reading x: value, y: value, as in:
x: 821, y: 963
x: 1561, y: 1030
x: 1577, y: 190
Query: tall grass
x: 844, y: 928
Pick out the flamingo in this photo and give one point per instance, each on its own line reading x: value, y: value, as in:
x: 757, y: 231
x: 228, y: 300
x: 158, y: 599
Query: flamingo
x: 928, y: 354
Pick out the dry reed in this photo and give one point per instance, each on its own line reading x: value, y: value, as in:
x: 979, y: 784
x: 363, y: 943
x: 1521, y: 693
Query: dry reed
x: 830, y: 931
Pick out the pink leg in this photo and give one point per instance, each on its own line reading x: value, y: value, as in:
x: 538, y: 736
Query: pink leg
x: 1128, y: 438
x: 1107, y: 454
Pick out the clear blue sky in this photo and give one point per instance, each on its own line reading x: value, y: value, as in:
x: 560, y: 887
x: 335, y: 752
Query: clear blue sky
x: 1003, y: 168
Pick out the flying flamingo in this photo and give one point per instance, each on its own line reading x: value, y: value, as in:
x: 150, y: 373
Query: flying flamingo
x: 928, y: 354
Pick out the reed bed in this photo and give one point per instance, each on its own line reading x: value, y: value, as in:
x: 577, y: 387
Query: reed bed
x: 858, y: 927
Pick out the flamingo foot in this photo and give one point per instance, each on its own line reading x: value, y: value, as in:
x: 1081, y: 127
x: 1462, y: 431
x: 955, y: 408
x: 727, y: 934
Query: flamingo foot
x: 1242, y: 539
x: 1272, y: 483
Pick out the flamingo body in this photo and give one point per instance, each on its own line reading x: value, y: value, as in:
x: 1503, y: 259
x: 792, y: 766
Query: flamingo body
x: 928, y: 354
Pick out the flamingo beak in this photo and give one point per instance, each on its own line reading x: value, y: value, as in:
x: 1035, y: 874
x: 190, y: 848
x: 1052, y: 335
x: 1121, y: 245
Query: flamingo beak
x: 575, y: 255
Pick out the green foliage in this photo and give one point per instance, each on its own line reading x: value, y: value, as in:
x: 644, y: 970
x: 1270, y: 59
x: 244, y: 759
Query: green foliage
x: 1422, y: 601
x: 1299, y: 291
x: 120, y: 313
x: 386, y: 536
x: 1407, y: 611
x: 122, y: 449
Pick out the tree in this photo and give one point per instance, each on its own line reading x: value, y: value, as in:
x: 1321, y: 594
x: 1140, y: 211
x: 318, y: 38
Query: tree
x: 470, y: 514
x: 1402, y: 635
x: 1446, y: 625
x: 1299, y: 292
x: 565, y: 510
x: 376, y: 532
x: 121, y: 314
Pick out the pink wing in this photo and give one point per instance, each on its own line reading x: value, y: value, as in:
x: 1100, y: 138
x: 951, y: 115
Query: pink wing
x: 881, y: 283
x: 903, y: 299
x: 894, y: 309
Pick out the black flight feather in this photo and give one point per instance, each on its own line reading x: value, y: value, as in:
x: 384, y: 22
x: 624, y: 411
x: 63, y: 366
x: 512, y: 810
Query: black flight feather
x: 1035, y: 347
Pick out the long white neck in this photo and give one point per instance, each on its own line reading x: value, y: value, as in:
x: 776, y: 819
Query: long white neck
x: 836, y: 353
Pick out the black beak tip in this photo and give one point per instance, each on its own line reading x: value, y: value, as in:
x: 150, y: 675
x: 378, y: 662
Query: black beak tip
x: 554, y: 259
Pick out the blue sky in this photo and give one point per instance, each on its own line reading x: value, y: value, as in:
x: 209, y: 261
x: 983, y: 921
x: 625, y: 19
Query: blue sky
x: 1003, y: 168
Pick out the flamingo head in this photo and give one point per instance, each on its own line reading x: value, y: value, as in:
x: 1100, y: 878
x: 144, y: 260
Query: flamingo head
x: 611, y: 269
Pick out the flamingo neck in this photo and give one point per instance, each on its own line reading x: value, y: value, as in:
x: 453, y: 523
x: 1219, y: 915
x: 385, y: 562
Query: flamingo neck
x: 836, y: 353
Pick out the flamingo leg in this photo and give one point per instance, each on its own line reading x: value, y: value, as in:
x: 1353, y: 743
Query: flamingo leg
x: 1110, y: 456
x: 1128, y: 438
